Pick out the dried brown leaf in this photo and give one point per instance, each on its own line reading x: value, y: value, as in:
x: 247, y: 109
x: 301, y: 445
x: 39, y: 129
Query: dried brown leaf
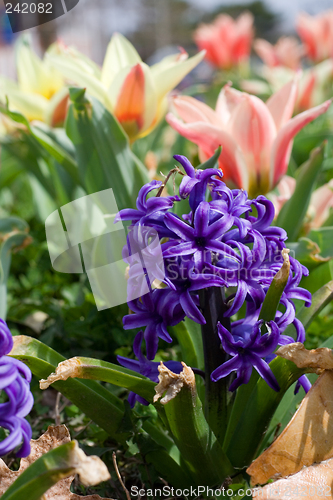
x: 52, y: 438
x: 315, y: 360
x: 70, y: 368
x: 172, y: 383
x: 307, y: 439
x: 311, y: 483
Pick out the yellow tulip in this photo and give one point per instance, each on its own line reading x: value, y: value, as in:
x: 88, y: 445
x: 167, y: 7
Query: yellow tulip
x: 134, y: 92
x: 39, y: 93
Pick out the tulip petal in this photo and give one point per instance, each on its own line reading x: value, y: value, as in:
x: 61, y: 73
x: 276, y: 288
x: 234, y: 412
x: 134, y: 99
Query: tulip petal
x: 227, y: 102
x: 79, y: 70
x: 281, y: 104
x: 32, y: 106
x: 193, y: 110
x: 34, y: 74
x: 168, y: 75
x: 253, y: 129
x: 283, y: 143
x: 133, y: 98
x: 208, y: 138
x: 265, y: 51
x: 120, y: 54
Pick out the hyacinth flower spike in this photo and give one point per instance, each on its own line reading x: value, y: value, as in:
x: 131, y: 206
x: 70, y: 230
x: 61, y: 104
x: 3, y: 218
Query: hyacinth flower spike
x: 15, y: 378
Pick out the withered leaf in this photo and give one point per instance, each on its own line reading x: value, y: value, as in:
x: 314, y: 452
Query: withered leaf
x: 307, y: 439
x: 316, y: 359
x: 172, y: 383
x: 52, y: 438
x: 311, y: 483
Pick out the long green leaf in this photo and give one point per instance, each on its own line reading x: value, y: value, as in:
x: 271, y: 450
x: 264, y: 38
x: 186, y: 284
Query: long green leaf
x: 96, y: 369
x: 50, y: 468
x: 267, y: 313
x: 257, y: 413
x: 103, y: 153
x: 13, y: 235
x: 92, y: 398
x: 100, y: 405
x: 198, y: 445
x: 188, y: 334
x: 48, y: 144
x: 293, y: 212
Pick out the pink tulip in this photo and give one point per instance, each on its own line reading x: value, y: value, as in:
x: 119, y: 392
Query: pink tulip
x: 286, y: 52
x: 256, y: 138
x: 321, y: 201
x: 227, y: 41
x: 316, y: 33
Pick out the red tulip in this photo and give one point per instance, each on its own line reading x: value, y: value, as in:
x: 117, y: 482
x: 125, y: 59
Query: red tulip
x: 227, y: 41
x: 286, y: 52
x: 316, y: 33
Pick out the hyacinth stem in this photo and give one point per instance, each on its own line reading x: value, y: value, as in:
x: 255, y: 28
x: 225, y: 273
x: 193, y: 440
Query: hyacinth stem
x: 212, y: 303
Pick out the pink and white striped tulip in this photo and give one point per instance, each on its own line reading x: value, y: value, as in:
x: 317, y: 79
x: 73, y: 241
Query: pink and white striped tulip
x: 227, y: 41
x: 286, y: 52
x: 316, y: 33
x: 256, y: 137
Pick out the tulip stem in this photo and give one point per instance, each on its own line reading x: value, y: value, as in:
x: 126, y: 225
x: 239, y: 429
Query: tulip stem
x: 212, y: 303
x: 175, y: 170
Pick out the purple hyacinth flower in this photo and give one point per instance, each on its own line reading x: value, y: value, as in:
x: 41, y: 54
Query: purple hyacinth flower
x: 248, y: 351
x: 304, y: 382
x: 149, y: 211
x: 155, y: 311
x: 182, y: 277
x: 200, y: 240
x: 147, y: 368
x: 194, y: 184
x: 6, y: 339
x: 15, y: 378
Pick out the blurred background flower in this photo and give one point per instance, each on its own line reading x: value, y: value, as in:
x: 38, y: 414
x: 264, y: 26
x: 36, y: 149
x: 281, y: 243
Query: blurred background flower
x: 227, y: 41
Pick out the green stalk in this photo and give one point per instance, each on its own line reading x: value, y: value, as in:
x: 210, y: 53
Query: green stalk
x: 213, y: 308
x: 199, y: 448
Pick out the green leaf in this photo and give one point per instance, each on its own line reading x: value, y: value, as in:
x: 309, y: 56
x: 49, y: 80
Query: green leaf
x: 258, y: 410
x: 48, y: 144
x: 323, y: 236
x: 63, y: 461
x: 100, y: 405
x: 212, y: 162
x: 267, y: 313
x: 103, y: 153
x: 13, y: 235
x: 93, y: 399
x: 293, y: 212
x: 274, y: 293
x: 307, y: 252
x: 203, y: 455
x: 95, y: 369
x: 188, y: 334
